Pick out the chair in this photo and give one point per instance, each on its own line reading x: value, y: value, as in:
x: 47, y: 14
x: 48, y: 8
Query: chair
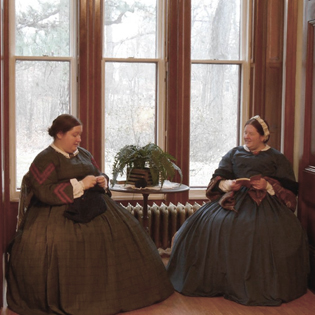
x: 26, y: 195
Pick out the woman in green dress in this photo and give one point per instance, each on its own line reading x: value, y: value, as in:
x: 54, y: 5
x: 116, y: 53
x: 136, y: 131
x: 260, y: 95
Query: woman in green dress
x: 77, y: 251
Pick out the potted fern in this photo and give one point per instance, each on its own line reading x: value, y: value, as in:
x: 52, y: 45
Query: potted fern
x: 147, y: 162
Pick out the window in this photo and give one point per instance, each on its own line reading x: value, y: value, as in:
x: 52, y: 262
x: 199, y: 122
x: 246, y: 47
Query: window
x: 134, y: 77
x: 217, y: 59
x: 134, y: 67
x: 43, y: 66
x: 134, y: 71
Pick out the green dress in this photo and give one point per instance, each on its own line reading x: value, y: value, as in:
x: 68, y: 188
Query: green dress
x: 58, y: 266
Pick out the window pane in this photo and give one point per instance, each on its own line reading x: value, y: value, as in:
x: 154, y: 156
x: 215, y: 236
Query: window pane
x: 42, y: 93
x: 42, y: 27
x: 214, y: 118
x: 215, y: 29
x: 130, y: 28
x: 130, y: 107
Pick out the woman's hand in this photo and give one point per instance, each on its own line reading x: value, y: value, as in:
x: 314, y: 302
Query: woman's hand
x: 259, y: 184
x: 235, y: 186
x: 89, y: 181
x: 102, y: 181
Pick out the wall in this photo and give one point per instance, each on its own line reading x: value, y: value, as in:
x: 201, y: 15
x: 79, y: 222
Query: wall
x: 300, y: 89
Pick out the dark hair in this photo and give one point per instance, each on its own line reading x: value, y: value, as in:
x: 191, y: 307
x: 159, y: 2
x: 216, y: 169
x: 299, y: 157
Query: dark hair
x: 63, y: 123
x: 255, y: 123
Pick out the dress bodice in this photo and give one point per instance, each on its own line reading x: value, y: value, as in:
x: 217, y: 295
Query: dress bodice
x: 242, y: 163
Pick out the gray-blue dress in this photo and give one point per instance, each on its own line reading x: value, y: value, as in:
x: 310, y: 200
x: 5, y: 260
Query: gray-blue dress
x: 256, y: 255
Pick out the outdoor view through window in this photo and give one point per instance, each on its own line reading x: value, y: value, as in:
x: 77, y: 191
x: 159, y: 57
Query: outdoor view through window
x: 134, y: 72
x: 42, y: 74
x: 215, y: 84
x: 134, y: 67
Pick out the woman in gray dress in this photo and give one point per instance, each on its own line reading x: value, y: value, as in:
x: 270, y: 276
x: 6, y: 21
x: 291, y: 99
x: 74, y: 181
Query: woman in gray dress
x: 246, y: 243
x: 77, y: 251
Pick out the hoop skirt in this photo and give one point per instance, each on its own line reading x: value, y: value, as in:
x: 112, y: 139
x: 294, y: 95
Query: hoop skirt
x: 257, y: 256
x: 105, y: 266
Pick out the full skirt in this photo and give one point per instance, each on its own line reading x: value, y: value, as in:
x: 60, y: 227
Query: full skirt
x: 106, y: 266
x: 258, y: 256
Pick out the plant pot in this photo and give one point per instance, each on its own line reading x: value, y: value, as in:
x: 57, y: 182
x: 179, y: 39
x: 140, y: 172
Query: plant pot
x: 136, y: 174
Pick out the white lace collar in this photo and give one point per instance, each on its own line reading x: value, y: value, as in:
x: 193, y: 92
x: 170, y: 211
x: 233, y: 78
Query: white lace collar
x: 267, y: 147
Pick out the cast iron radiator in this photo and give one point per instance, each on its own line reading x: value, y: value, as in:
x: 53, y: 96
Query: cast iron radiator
x: 164, y: 220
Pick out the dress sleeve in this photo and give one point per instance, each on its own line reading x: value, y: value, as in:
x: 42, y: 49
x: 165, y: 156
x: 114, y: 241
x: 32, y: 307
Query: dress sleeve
x: 44, y: 181
x: 225, y: 168
x: 223, y: 172
x: 285, y: 174
x: 284, y: 168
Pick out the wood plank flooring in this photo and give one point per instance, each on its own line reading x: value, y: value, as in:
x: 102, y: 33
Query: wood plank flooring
x: 178, y: 304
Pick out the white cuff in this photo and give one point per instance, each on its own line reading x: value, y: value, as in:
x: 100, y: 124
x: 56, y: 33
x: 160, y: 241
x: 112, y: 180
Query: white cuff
x: 225, y: 185
x: 270, y: 189
x: 78, y: 188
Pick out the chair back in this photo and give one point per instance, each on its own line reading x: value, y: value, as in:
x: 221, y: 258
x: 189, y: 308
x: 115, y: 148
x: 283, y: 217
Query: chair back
x: 26, y: 195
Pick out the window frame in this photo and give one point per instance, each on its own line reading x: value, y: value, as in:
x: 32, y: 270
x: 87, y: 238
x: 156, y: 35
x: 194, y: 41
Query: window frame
x: 72, y: 59
x: 161, y: 66
x: 198, y: 193
x: 173, y: 135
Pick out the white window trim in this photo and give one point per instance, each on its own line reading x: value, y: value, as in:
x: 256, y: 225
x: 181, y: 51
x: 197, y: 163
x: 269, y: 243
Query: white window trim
x: 200, y: 193
x: 161, y: 87
x: 14, y: 192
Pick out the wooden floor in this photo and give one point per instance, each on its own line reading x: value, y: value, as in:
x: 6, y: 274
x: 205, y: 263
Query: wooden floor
x: 178, y: 304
